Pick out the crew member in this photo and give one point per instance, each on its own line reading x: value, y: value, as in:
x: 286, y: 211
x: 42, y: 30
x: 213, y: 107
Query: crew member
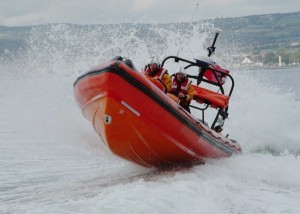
x: 182, y: 87
x: 154, y: 70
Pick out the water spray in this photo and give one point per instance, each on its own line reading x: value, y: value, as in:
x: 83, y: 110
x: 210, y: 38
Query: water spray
x: 181, y: 43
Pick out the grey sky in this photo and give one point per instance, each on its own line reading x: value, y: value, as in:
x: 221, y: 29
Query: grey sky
x: 32, y: 12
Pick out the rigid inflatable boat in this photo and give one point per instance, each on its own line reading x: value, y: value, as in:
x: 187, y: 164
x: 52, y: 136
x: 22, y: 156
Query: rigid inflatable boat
x: 139, y: 122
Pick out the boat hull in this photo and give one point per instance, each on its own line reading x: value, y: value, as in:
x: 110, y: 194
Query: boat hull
x: 140, y: 123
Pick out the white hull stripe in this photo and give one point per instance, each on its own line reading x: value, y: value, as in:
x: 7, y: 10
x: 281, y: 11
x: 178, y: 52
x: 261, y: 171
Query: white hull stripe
x: 130, y: 108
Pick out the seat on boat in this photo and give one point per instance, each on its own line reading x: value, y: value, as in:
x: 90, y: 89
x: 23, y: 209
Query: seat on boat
x: 214, y: 99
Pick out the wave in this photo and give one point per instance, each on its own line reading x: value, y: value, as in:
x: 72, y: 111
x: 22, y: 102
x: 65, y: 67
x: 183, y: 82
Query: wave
x: 263, y: 117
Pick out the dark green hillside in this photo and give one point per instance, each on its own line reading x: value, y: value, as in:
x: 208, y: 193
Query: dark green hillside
x: 262, y: 31
x: 255, y: 35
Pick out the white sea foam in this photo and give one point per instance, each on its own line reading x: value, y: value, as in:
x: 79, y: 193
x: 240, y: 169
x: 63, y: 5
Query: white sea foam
x: 53, y: 162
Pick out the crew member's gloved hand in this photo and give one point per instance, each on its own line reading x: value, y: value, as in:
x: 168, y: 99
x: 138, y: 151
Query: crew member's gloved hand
x: 182, y: 96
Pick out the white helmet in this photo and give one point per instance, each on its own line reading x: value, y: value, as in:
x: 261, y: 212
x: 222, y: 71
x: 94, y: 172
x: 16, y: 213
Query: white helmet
x: 153, y: 60
x: 182, y: 71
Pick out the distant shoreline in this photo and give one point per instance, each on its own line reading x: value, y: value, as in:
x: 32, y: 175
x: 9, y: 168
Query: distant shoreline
x: 270, y: 67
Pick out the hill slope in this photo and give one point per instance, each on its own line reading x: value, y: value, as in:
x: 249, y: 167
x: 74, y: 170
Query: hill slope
x: 263, y: 31
x: 253, y: 35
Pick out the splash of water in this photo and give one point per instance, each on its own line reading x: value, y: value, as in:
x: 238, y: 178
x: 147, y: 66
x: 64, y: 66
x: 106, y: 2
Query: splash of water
x: 66, y: 49
x: 261, y: 116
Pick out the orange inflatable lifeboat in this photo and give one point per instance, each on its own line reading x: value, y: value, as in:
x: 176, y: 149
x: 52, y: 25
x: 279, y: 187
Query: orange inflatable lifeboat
x: 140, y: 123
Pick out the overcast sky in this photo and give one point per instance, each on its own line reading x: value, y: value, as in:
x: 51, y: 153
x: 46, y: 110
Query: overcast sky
x: 33, y: 12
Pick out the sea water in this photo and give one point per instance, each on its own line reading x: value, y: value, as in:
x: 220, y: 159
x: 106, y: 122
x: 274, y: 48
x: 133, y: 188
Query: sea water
x: 52, y: 161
